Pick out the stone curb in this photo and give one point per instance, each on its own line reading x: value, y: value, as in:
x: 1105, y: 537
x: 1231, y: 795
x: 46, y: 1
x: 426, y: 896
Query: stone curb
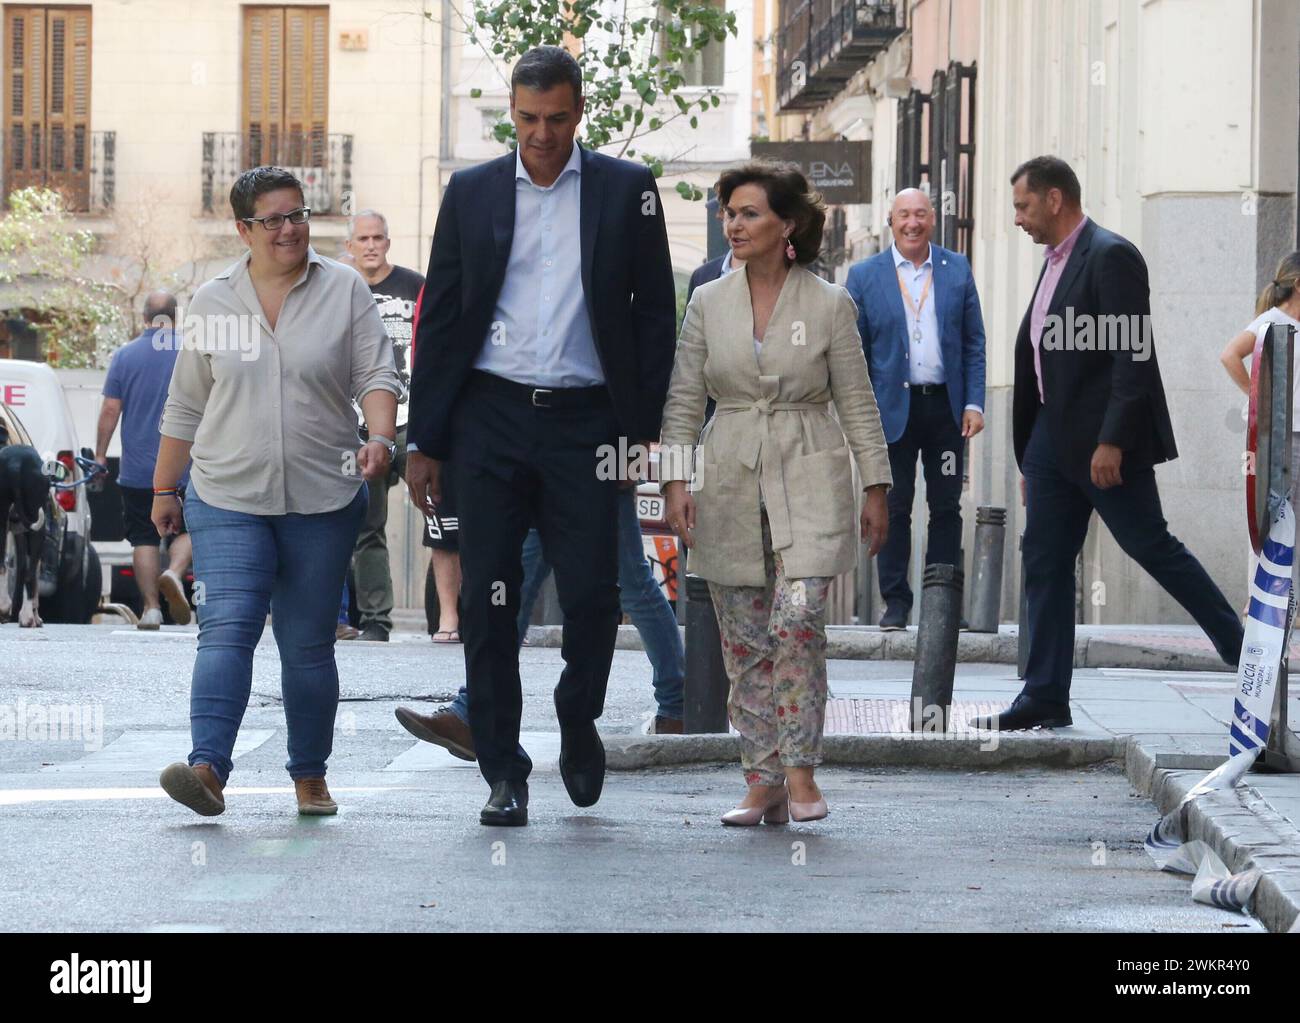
x: 641, y: 752
x: 854, y: 643
x: 1238, y: 825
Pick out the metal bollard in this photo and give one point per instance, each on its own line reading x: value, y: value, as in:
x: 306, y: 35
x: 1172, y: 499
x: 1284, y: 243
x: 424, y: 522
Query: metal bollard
x: 1022, y: 630
x: 936, y: 647
x: 986, y: 591
x: 706, y: 685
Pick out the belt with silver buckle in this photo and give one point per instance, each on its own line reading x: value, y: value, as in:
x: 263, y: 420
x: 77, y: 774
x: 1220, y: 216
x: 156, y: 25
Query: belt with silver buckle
x: 542, y: 397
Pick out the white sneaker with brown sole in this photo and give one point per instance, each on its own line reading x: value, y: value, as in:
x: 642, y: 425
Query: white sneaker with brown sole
x: 172, y: 590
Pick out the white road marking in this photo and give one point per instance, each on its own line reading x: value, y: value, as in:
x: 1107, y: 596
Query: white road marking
x: 151, y: 751
x: 542, y: 747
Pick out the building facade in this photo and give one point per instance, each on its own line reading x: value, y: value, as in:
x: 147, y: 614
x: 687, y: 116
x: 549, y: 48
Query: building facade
x: 1182, y: 119
x: 144, y: 112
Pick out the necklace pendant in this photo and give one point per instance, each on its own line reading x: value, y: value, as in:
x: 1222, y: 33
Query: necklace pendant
x: 916, y: 335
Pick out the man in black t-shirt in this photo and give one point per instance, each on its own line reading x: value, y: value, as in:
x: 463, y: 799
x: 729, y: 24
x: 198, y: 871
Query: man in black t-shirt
x: 395, y: 289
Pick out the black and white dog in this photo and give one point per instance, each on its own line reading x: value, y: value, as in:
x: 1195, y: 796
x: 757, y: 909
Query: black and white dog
x: 24, y: 488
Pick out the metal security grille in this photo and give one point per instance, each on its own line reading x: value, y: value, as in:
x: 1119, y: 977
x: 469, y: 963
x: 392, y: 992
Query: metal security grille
x: 936, y: 150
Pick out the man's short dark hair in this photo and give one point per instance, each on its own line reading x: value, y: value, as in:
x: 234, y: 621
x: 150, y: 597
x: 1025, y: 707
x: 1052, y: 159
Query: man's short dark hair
x: 256, y: 182
x: 545, y: 67
x: 160, y: 304
x: 1043, y: 173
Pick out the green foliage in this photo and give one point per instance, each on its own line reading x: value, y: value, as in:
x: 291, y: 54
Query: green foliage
x: 627, y: 66
x: 41, y: 256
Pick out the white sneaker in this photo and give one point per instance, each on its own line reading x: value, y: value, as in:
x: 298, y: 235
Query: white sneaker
x: 151, y: 619
x: 173, y: 591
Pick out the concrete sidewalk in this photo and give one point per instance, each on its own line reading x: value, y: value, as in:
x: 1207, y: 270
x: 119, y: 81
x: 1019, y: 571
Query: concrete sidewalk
x: 1159, y: 647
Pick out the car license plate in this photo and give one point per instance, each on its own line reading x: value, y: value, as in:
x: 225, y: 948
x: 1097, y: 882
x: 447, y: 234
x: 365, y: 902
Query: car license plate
x: 649, y: 507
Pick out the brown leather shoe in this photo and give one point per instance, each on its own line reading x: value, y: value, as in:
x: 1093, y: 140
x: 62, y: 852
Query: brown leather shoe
x: 346, y: 631
x: 667, y: 726
x: 314, y: 797
x: 196, y: 787
x: 442, y: 728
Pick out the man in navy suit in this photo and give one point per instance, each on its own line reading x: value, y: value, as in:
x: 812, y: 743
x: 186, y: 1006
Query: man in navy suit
x: 714, y: 268
x: 923, y: 333
x: 710, y: 271
x: 1089, y: 423
x: 546, y: 334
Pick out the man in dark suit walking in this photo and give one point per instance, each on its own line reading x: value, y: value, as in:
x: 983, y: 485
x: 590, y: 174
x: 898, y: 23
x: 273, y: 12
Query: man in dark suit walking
x: 706, y: 272
x: 1089, y: 424
x: 923, y: 334
x: 546, y: 334
x: 714, y: 268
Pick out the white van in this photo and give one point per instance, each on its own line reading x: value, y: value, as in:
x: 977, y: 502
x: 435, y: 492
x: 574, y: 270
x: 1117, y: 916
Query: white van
x: 35, y: 394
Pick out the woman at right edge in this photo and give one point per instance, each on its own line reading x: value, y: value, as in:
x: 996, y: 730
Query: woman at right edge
x: 771, y: 516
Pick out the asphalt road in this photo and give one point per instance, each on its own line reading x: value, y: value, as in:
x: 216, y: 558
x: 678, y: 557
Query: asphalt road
x: 88, y: 842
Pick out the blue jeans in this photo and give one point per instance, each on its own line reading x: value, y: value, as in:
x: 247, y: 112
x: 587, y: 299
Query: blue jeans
x: 643, y: 601
x: 247, y: 565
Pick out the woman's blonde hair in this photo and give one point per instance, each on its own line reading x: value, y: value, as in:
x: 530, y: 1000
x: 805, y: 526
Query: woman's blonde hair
x: 1282, y: 286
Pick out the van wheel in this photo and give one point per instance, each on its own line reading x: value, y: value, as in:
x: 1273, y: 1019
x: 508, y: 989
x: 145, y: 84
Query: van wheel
x: 67, y: 604
x: 94, y: 585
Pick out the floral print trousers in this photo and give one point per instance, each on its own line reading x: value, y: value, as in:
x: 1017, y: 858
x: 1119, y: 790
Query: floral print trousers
x: 774, y: 649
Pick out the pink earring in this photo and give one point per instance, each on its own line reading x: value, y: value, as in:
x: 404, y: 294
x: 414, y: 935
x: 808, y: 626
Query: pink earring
x: 789, y: 249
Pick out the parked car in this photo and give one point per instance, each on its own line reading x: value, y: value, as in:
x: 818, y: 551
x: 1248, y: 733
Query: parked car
x: 70, y: 580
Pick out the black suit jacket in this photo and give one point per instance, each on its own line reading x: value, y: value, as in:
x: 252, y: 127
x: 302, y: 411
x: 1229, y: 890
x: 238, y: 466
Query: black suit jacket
x: 704, y: 273
x: 1095, y: 397
x: 627, y: 282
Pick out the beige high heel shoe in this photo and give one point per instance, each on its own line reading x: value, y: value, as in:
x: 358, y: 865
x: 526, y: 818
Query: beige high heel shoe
x: 777, y: 811
x: 801, y: 812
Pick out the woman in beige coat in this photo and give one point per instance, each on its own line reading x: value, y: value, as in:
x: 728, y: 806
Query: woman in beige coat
x: 771, y: 516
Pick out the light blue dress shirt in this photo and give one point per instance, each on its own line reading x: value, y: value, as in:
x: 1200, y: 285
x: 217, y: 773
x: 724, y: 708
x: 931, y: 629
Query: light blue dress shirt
x: 924, y: 356
x: 540, y: 333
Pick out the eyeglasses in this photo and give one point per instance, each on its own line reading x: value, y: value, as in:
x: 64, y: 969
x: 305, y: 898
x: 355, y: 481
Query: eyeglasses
x: 276, y: 220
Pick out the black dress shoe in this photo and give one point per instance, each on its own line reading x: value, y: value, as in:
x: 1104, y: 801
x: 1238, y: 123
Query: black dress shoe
x: 1026, y: 712
x: 894, y: 618
x: 582, y: 763
x: 507, y: 806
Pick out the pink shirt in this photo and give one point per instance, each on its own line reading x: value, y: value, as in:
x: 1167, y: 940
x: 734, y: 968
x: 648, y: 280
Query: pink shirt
x: 1056, y: 256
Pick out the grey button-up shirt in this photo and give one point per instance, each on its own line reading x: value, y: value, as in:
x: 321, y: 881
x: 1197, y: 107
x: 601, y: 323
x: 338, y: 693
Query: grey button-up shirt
x: 270, y: 412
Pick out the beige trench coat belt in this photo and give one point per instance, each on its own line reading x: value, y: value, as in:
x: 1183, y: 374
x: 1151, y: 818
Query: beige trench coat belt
x: 756, y: 441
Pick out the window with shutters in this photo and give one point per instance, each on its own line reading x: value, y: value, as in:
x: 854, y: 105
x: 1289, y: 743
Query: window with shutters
x: 286, y: 86
x: 47, y: 138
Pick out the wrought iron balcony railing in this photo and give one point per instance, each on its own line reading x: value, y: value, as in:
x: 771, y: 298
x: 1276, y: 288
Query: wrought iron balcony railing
x: 822, y: 43
x: 78, y: 163
x: 322, y: 162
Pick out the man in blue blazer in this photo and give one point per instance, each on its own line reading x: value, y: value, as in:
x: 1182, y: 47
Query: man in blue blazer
x: 923, y: 333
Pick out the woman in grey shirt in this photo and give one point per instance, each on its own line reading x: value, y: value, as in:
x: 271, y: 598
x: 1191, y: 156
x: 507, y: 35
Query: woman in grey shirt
x: 275, y: 350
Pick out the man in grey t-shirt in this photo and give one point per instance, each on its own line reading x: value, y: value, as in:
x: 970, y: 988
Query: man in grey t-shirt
x: 395, y: 289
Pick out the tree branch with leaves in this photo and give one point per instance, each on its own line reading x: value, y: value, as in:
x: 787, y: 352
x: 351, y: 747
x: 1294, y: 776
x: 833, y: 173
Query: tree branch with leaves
x: 628, y: 61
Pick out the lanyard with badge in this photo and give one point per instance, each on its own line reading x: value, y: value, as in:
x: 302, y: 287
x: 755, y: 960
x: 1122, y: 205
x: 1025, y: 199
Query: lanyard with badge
x: 914, y: 307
